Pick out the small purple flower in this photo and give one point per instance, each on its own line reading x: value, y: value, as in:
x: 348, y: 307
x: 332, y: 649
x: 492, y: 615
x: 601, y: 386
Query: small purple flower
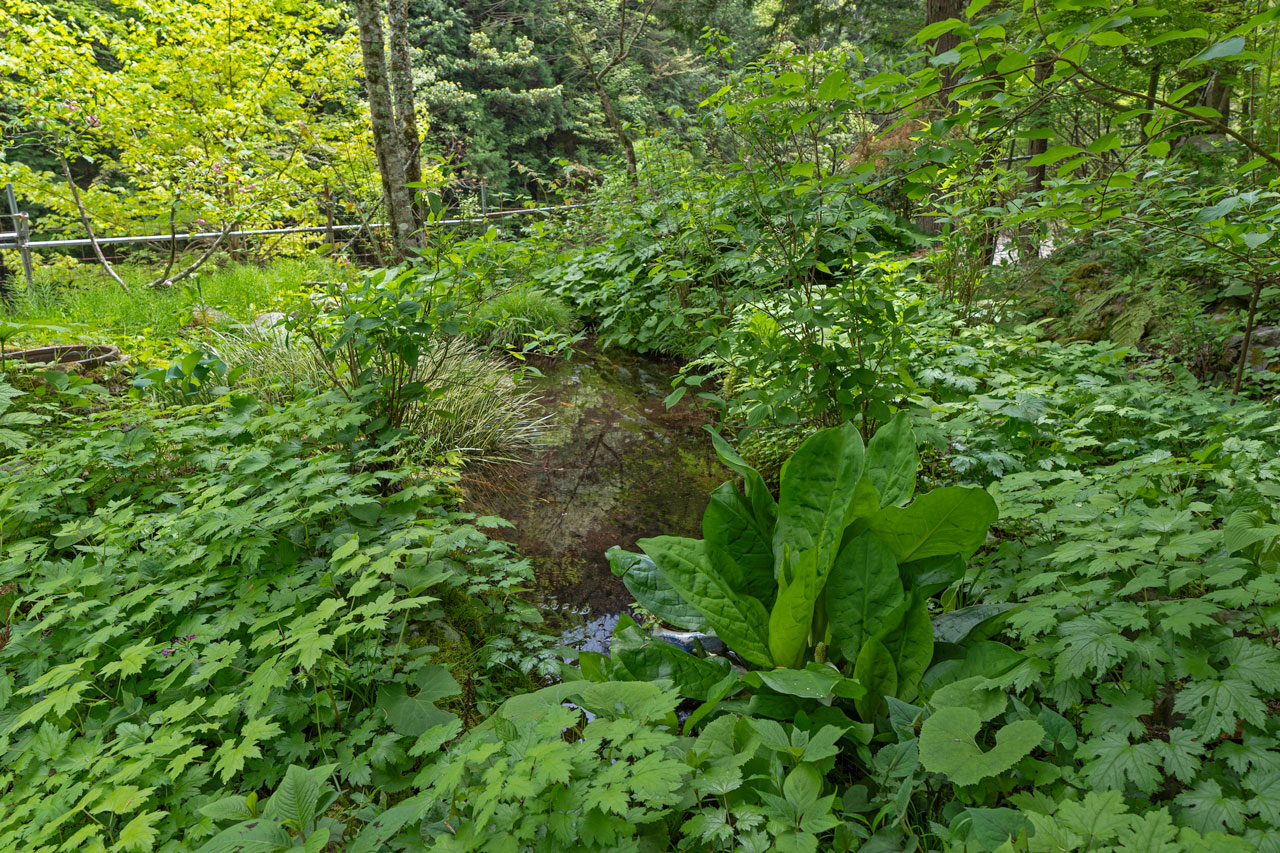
x: 191, y: 636
x: 166, y: 652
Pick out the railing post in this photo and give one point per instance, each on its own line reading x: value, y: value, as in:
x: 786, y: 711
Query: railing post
x: 21, y: 231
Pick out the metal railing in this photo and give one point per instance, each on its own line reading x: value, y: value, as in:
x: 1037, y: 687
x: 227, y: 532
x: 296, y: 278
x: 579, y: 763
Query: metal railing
x: 18, y: 238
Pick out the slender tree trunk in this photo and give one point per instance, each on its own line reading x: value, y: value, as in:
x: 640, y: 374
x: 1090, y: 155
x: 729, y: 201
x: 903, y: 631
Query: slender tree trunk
x: 619, y: 130
x: 942, y: 10
x: 388, y: 141
x: 1153, y: 88
x: 401, y: 65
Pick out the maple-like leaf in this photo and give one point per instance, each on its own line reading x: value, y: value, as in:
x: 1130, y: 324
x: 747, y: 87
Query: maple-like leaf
x: 1217, y: 707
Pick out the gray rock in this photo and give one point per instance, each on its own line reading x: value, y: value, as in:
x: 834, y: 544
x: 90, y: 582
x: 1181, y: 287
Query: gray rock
x: 691, y: 641
x: 1264, y: 338
x: 268, y: 319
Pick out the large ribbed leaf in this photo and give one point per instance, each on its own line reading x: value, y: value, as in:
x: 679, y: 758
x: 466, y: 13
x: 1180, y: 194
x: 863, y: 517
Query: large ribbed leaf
x: 763, y: 506
x: 738, y: 619
x: 739, y: 547
x: 649, y: 659
x: 792, y: 613
x: 952, y: 520
x: 818, y: 486
x: 892, y: 461
x: 863, y: 590
x: 643, y: 580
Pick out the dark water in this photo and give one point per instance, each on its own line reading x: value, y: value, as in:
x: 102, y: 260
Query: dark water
x: 615, y: 466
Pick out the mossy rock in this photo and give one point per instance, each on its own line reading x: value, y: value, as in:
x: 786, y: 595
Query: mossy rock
x: 1089, y: 275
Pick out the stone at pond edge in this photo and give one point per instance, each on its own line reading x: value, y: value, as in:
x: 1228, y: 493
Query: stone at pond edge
x: 691, y: 641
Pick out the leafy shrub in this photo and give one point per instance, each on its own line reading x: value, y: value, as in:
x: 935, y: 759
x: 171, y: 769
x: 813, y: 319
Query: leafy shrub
x: 198, y: 600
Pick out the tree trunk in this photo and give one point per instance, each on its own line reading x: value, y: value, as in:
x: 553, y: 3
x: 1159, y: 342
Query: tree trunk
x: 1153, y: 88
x: 620, y: 131
x: 935, y: 12
x: 402, y: 88
x: 388, y: 141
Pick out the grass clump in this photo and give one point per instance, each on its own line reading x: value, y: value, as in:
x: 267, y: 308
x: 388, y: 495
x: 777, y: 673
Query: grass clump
x: 509, y: 319
x: 473, y: 407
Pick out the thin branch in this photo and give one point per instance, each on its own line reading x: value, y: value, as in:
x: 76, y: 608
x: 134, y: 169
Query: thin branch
x: 88, y: 226
x: 199, y: 262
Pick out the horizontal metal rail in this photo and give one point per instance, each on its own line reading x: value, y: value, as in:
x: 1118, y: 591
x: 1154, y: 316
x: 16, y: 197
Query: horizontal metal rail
x: 259, y: 232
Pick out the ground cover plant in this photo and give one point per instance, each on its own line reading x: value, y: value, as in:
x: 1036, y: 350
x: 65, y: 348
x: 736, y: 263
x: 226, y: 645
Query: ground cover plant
x: 985, y: 325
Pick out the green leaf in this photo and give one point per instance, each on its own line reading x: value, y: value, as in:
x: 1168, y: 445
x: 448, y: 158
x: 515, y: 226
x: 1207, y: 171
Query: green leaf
x: 1228, y: 49
x: 740, y: 620
x: 138, y: 835
x: 739, y: 548
x: 948, y: 745
x: 791, y: 617
x: 260, y: 835
x: 1053, y: 155
x: 411, y: 715
x: 642, y: 579
x: 976, y: 693
x: 1216, y: 211
x: 761, y: 499
x: 875, y: 671
x: 1110, y: 38
x: 815, y: 681
x: 297, y: 796
x: 911, y: 646
x: 817, y: 489
x: 649, y: 659
x: 951, y: 520
x: 863, y: 590
x: 892, y: 461
x: 803, y: 786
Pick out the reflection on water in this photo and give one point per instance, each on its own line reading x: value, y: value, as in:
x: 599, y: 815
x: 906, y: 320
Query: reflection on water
x: 615, y: 466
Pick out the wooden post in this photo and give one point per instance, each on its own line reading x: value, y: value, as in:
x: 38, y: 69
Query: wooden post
x: 21, y: 231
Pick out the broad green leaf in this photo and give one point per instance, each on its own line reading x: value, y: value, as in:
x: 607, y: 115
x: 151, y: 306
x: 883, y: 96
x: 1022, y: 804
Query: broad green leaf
x: 649, y: 659
x: 410, y: 715
x: 791, y: 617
x: 875, y: 671
x: 1216, y: 211
x: 1228, y: 49
x: 739, y: 548
x: 988, y: 659
x: 817, y: 489
x: 948, y: 745
x: 911, y: 645
x: 138, y: 835
x: 951, y: 520
x: 892, y: 461
x: 1110, y: 38
x: 738, y: 619
x: 642, y: 579
x: 260, y: 835
x: 1054, y: 155
x: 862, y: 591
x: 296, y: 797
x: 957, y: 625
x: 977, y: 693
x: 815, y: 681
x: 763, y: 506
x: 379, y: 831
x: 932, y: 574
